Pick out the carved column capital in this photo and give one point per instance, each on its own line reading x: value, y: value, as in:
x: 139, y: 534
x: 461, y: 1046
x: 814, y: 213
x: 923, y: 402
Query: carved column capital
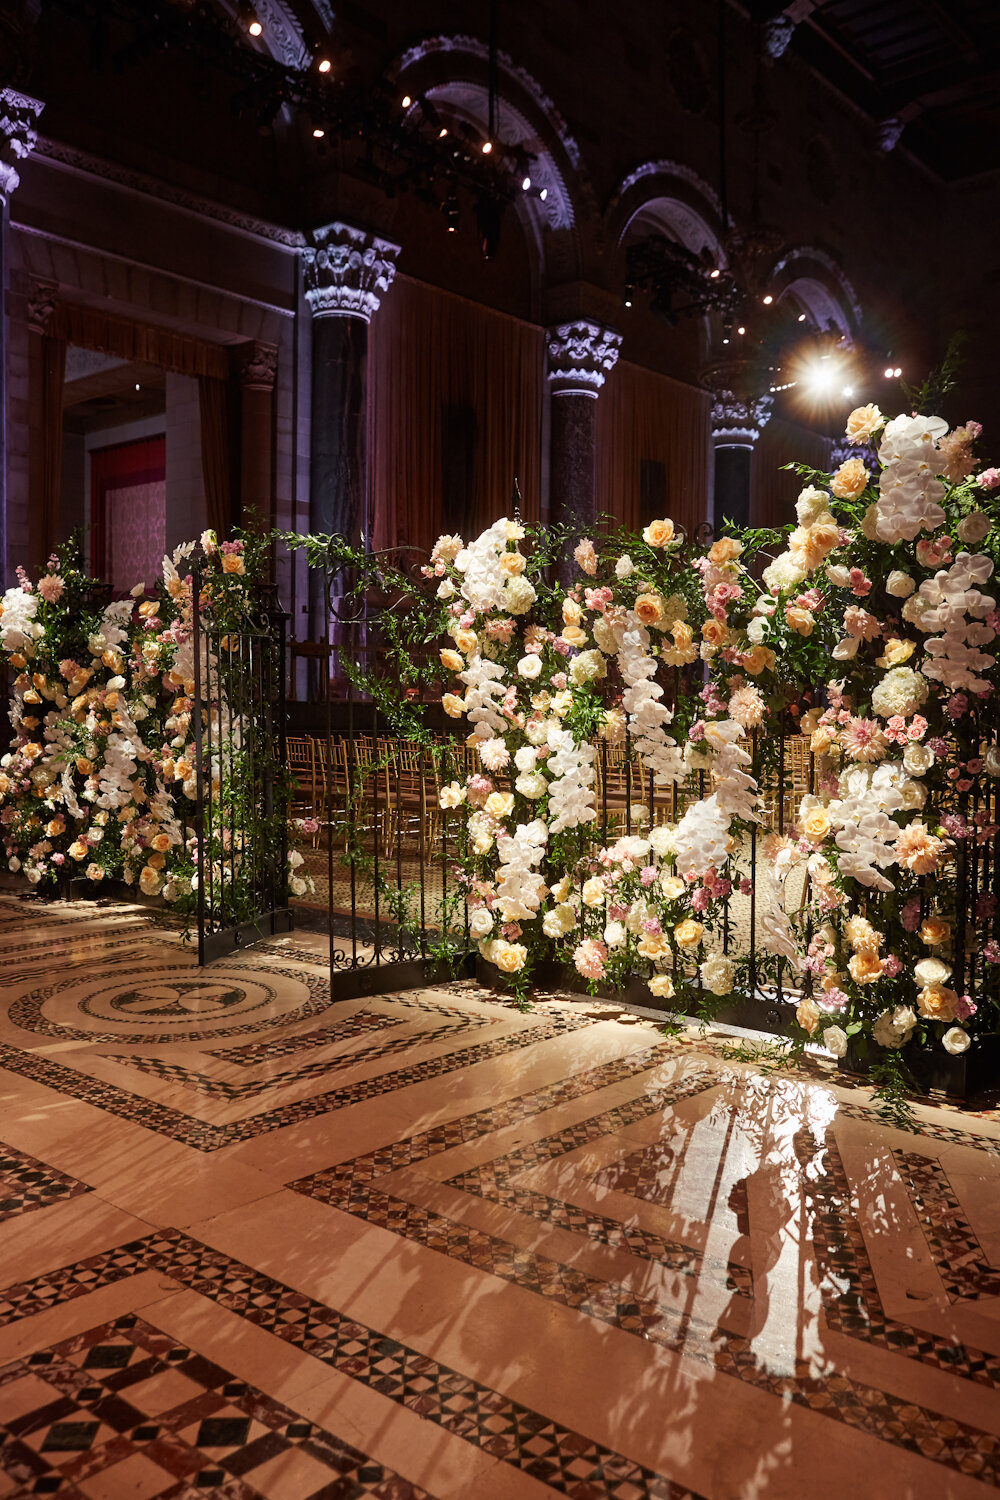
x: 18, y: 136
x: 738, y: 423
x: 42, y: 299
x: 580, y: 356
x: 346, y: 271
x: 258, y: 366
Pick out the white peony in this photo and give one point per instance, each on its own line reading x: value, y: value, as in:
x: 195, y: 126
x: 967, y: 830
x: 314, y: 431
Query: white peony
x: 615, y: 934
x: 560, y: 920
x: 901, y: 585
x: 587, y: 667
x: 901, y: 692
x: 531, y: 784
x: 526, y: 758
x: 835, y: 1041
x: 893, y: 1028
x: 717, y: 973
x: 811, y: 504
x: 956, y: 1041
x: 519, y: 595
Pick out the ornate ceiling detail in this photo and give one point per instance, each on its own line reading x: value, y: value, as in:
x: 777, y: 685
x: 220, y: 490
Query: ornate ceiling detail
x: 18, y: 136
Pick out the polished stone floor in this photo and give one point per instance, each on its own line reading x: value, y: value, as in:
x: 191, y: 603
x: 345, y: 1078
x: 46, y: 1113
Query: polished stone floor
x: 255, y: 1244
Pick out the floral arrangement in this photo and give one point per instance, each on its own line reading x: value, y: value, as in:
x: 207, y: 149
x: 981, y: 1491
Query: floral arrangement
x: 543, y: 675
x: 887, y: 575
x: 99, y: 783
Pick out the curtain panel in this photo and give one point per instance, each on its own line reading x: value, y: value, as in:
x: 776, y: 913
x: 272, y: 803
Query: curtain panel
x: 455, y: 414
x: 653, y: 437
x: 772, y: 488
x: 128, y: 511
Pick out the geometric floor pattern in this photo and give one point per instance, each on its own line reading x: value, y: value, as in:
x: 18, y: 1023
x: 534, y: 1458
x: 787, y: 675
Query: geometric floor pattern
x: 259, y: 1242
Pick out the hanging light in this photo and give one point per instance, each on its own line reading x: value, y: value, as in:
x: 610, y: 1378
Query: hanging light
x: 768, y: 300
x: 487, y: 147
x: 888, y: 372
x: 714, y: 274
x: 801, y: 318
x: 450, y: 209
x: 318, y: 132
x: 526, y: 184
x: 544, y: 194
x: 324, y: 65
x: 406, y: 101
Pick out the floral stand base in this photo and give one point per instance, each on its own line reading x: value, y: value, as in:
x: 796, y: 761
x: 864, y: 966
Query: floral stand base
x: 965, y: 1076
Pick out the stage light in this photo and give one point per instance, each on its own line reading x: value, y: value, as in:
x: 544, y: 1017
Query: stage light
x: 544, y: 194
x: 487, y: 147
x: 526, y: 184
x: 450, y: 210
x: 406, y: 101
x: 848, y: 390
x: 318, y: 132
x: 137, y: 386
x: 801, y: 318
x: 715, y: 274
x: 897, y: 372
x: 442, y: 132
x: 888, y: 372
x: 768, y: 300
x: 819, y: 378
x: 741, y: 329
x: 324, y: 65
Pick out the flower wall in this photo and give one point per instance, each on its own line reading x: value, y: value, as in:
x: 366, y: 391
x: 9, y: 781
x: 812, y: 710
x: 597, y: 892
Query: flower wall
x: 100, y: 780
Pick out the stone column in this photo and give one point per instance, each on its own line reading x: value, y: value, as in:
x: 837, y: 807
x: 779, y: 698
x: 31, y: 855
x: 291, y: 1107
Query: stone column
x: 580, y: 356
x: 18, y: 135
x: 736, y: 426
x: 42, y: 297
x: 258, y: 371
x: 346, y: 271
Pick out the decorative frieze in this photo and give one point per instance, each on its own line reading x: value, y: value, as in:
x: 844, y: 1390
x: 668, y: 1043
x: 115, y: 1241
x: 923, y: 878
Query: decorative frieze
x: 739, y: 422
x: 18, y: 135
x: 580, y: 356
x: 347, y: 270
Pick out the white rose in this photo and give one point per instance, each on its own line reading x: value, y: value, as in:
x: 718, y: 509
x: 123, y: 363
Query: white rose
x: 757, y: 629
x: 991, y: 760
x: 835, y: 1041
x: 868, y: 523
x: 624, y: 566
x: 526, y: 758
x: 845, y: 649
x: 918, y: 758
x: 899, y: 584
x: 480, y: 922
x: 14, y: 863
x: 615, y: 934
x: 530, y: 667
x: 811, y: 504
x: 560, y: 920
x: 839, y: 576
x: 593, y: 891
x: 446, y: 589
x: 956, y: 1041
x: 973, y: 528
x: 930, y: 971
x: 914, y: 795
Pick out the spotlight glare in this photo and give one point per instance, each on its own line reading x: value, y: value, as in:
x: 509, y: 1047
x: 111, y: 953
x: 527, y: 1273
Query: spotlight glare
x: 725, y: 341
x: 801, y: 317
x: 628, y: 303
x: 406, y: 101
x: 324, y: 65
x: 897, y: 372
x: 526, y: 184
x: 487, y: 147
x: 888, y: 372
x: 848, y: 390
x: 768, y: 300
x: 255, y: 28
x: 318, y: 132
x: 741, y: 329
x: 442, y: 132
x: 137, y: 386
x: 819, y: 378
x: 715, y: 274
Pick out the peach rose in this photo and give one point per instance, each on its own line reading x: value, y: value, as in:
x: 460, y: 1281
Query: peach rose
x: 658, y: 533
x: 512, y: 563
x: 672, y: 886
x: 466, y: 641
x: 574, y: 635
x: 161, y: 843
x: 499, y: 804
x: 452, y: 661
x: 863, y: 423
x: 715, y: 633
x: 816, y: 824
x: 821, y: 739
x: 233, y: 563
x: 453, y: 705
x: 807, y: 1013
x: 78, y: 849
x: 726, y: 549
x: 758, y: 659
x: 825, y: 534
x: 865, y: 967
x: 934, y: 931
x: 654, y: 945
x: 571, y: 612
x: 800, y: 620
x: 649, y: 609
x: 687, y: 934
x: 937, y: 1003
x: 850, y: 479
x: 511, y: 958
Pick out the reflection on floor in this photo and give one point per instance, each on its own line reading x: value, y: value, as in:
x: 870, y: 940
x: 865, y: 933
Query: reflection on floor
x: 258, y: 1244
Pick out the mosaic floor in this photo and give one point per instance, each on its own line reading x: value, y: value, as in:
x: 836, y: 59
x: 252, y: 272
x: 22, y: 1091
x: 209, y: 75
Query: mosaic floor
x: 257, y: 1244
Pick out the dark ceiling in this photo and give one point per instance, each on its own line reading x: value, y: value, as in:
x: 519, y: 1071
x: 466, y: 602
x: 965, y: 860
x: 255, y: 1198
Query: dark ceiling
x: 932, y: 65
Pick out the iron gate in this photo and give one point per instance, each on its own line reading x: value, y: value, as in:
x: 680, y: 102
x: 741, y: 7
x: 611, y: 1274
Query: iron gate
x: 238, y: 727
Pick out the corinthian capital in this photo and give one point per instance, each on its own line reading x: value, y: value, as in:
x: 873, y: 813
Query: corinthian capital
x: 580, y: 356
x: 18, y: 136
x: 346, y: 271
x: 739, y: 422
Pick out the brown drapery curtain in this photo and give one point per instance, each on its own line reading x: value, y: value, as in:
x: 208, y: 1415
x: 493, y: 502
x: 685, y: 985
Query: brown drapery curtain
x: 53, y: 379
x: 772, y: 488
x: 90, y: 328
x: 653, y: 438
x: 455, y: 413
x: 216, y: 453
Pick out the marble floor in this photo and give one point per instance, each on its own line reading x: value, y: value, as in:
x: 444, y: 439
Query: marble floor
x: 257, y: 1244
